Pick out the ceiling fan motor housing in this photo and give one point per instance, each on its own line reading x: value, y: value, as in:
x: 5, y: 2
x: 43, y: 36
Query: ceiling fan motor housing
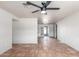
x: 43, y: 9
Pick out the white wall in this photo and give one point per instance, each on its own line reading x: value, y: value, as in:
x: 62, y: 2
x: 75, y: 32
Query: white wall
x: 51, y: 30
x: 25, y: 31
x: 68, y: 30
x: 5, y: 30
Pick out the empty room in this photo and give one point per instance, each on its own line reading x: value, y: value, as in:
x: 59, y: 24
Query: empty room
x: 39, y: 28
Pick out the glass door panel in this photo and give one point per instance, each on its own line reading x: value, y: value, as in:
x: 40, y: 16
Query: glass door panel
x: 45, y: 30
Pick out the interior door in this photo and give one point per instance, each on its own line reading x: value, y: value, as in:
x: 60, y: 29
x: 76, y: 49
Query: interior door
x: 44, y: 31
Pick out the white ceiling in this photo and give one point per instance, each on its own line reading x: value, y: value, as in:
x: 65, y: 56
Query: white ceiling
x: 66, y: 9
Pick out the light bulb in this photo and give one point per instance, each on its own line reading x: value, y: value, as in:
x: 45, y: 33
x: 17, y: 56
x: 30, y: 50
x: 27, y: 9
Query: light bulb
x: 43, y: 12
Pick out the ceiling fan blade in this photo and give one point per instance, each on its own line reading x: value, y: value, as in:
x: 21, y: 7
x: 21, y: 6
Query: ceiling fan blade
x: 33, y: 4
x: 47, y: 3
x: 24, y: 3
x: 52, y: 8
x: 35, y: 11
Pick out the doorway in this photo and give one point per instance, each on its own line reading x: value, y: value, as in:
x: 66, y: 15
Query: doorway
x: 44, y: 31
x: 47, y: 30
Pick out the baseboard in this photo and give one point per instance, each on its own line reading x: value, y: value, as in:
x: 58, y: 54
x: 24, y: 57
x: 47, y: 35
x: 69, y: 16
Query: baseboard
x: 5, y: 50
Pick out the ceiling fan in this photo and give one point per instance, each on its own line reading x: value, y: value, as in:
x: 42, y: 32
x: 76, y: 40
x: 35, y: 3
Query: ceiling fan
x: 43, y: 8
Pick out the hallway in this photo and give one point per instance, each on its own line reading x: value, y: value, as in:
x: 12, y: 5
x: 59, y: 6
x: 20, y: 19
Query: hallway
x: 46, y: 47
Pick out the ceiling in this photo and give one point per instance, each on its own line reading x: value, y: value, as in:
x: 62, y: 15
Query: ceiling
x: 21, y: 11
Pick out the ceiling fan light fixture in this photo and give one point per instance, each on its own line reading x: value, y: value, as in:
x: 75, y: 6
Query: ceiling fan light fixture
x: 43, y: 12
